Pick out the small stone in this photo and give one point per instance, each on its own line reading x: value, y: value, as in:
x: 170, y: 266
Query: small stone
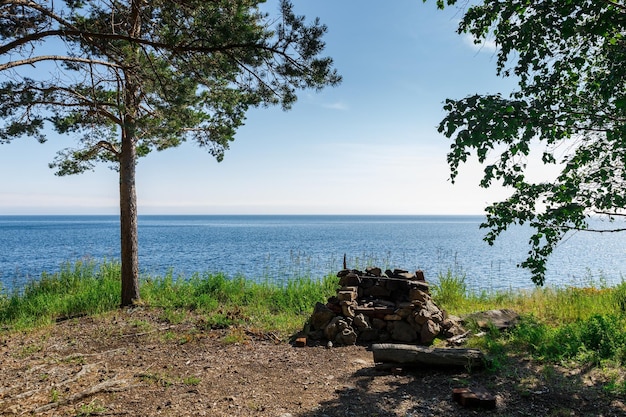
x: 452, y: 327
x: 405, y: 312
x: 419, y: 275
x: 407, y: 275
x: 420, y: 317
x: 329, y: 345
x: 361, y: 321
x: 373, y: 271
x: 301, y: 342
x: 346, y: 337
x: 347, y: 307
x: 332, y: 329
x: 457, y: 393
x: 350, y: 279
x: 397, y: 271
x: 347, y: 295
x: 474, y: 398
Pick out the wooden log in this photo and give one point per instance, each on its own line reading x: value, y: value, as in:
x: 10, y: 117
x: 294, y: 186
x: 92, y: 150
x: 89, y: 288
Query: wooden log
x: 427, y: 356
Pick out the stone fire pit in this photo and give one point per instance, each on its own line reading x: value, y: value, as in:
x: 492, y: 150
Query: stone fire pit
x: 372, y: 306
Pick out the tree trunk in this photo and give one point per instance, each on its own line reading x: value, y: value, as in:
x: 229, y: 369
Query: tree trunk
x: 128, y: 162
x: 427, y: 356
x: 128, y: 216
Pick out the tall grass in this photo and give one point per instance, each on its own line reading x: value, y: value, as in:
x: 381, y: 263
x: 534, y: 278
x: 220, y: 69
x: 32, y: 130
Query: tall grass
x: 85, y: 287
x: 553, y: 304
x: 92, y: 288
x: 226, y: 301
x: 558, y: 325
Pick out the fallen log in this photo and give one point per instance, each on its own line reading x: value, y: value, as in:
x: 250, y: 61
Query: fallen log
x: 427, y: 356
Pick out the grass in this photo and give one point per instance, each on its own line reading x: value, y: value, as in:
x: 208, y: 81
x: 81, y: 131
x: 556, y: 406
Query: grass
x: 88, y: 288
x: 548, y: 304
x: 93, y: 408
x: 585, y: 326
x: 80, y: 289
x: 569, y: 326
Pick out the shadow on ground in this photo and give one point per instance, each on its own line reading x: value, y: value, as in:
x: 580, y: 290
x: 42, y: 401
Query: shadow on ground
x: 521, y: 388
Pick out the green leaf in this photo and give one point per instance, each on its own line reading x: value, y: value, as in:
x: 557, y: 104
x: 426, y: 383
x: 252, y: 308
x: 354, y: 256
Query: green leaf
x: 568, y: 58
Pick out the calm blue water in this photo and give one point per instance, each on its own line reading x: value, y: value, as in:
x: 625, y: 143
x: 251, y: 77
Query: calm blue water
x: 281, y: 247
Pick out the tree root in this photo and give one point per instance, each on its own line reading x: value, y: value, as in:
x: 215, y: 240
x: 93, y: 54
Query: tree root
x: 83, y: 371
x: 112, y: 385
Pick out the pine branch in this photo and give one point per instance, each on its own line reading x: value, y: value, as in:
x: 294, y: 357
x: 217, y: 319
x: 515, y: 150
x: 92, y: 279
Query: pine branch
x: 33, y: 60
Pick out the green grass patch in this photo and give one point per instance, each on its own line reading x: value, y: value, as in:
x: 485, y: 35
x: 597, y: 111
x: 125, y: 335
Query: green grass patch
x: 87, y: 288
x: 228, y: 301
x: 82, y: 288
x: 565, y: 325
x: 559, y: 325
x: 591, y: 342
x: 559, y: 305
x: 94, y: 408
x: 192, y: 380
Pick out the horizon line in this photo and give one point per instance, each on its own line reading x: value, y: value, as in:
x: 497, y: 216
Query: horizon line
x: 247, y: 214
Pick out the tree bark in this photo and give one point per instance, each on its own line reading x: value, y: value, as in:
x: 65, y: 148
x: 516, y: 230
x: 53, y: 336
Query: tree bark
x: 427, y: 356
x: 128, y: 193
x: 128, y: 208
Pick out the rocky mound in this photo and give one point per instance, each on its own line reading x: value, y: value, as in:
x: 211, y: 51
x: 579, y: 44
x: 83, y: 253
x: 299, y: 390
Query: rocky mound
x: 372, y: 306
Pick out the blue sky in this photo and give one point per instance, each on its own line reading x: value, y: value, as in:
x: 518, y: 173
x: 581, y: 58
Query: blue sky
x: 368, y: 146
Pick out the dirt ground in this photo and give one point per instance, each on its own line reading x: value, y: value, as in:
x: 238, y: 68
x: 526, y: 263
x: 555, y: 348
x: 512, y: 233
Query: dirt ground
x: 137, y: 363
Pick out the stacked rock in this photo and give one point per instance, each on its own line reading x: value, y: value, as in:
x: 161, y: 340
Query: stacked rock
x: 372, y: 306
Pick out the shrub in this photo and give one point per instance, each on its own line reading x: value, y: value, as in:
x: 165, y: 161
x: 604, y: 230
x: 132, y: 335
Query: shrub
x: 598, y: 338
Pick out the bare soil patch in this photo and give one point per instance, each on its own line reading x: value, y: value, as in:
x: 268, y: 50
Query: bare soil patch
x: 136, y: 363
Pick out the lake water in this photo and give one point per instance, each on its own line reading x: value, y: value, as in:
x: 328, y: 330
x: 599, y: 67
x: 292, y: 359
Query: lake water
x: 282, y: 247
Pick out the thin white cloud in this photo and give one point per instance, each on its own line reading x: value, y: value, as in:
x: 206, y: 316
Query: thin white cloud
x: 338, y: 105
x: 487, y: 45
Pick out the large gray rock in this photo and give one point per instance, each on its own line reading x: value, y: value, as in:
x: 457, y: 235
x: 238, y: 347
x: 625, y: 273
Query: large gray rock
x: 500, y: 319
